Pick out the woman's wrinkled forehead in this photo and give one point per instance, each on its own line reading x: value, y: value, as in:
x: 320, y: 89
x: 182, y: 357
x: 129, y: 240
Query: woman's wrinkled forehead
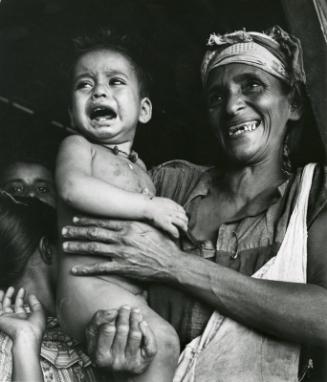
x: 249, y: 53
x: 258, y: 50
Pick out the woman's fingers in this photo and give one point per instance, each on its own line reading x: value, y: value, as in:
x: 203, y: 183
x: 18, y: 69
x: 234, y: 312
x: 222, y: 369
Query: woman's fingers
x: 122, y: 330
x: 135, y: 335
x: 113, y: 225
x: 92, y: 330
x: 19, y: 301
x: 149, y: 345
x: 102, y: 354
x: 108, y: 267
x: 120, y: 341
x: 91, y: 233
x: 89, y: 248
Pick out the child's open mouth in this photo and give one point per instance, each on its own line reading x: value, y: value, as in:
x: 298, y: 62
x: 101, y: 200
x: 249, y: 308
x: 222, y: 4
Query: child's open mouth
x: 102, y: 113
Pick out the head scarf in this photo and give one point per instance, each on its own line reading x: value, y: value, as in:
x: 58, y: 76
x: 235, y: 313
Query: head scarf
x: 274, y: 51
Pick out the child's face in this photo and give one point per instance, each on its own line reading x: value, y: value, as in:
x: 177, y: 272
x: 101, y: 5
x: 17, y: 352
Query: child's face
x: 29, y: 180
x: 106, y: 102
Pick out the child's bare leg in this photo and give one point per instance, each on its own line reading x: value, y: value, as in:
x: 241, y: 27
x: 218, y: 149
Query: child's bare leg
x: 126, y: 346
x: 82, y: 297
x: 163, y: 365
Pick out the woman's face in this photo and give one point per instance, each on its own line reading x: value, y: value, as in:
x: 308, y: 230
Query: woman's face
x: 248, y: 112
x: 29, y: 180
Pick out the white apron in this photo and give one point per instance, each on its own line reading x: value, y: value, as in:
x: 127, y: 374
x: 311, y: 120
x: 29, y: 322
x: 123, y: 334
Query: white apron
x: 230, y: 352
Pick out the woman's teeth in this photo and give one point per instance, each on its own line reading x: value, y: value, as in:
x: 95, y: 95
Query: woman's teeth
x: 236, y: 130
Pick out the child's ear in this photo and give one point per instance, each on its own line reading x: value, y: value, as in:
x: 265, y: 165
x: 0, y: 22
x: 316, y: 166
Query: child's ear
x: 146, y: 110
x: 46, y: 250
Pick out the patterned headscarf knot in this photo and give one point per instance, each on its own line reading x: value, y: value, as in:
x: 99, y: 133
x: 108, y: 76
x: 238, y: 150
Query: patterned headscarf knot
x: 274, y: 51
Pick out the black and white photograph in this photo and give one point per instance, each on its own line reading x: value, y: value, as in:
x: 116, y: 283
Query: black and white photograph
x: 163, y: 191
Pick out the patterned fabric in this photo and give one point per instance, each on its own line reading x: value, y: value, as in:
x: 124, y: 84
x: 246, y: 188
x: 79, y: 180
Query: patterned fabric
x: 249, y: 53
x: 62, y: 360
x: 280, y: 53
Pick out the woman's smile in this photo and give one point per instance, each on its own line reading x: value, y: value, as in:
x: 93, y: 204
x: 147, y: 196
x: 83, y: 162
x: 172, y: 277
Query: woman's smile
x: 248, y: 111
x: 243, y: 128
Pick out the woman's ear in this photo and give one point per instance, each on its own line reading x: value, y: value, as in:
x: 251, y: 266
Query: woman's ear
x: 146, y: 110
x: 46, y: 250
x: 296, y: 106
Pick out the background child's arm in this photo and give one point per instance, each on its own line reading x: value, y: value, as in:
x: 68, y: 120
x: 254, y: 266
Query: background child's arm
x: 79, y: 189
x: 26, y: 331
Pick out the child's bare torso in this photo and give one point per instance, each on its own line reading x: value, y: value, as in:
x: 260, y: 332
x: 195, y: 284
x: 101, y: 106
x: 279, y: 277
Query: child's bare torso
x: 117, y: 170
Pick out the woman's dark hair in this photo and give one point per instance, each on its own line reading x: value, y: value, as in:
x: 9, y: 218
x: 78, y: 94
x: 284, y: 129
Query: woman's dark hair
x: 23, y: 222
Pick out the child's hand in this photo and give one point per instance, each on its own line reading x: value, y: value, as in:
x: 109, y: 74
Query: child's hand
x: 167, y: 215
x: 20, y: 322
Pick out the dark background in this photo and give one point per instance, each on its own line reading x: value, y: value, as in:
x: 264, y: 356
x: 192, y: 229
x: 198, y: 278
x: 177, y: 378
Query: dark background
x: 35, y: 40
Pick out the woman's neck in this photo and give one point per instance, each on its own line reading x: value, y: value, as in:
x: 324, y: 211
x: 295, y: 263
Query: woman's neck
x: 249, y: 181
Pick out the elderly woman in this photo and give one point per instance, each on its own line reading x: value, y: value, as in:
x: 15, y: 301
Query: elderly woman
x: 248, y: 217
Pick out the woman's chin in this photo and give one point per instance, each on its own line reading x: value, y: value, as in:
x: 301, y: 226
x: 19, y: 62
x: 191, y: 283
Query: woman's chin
x: 244, y: 156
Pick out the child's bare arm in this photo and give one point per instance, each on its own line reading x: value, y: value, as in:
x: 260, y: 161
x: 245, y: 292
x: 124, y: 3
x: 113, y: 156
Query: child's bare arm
x: 79, y: 189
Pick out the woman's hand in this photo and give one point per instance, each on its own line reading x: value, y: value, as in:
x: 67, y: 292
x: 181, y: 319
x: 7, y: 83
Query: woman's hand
x: 18, y: 321
x: 120, y: 341
x: 135, y: 250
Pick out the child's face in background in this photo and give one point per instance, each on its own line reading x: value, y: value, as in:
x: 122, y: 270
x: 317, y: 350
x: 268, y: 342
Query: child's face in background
x: 106, y: 101
x: 29, y: 180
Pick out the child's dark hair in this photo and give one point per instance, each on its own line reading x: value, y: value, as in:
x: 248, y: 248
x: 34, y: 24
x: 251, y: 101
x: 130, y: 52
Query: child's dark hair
x: 129, y: 46
x: 23, y: 222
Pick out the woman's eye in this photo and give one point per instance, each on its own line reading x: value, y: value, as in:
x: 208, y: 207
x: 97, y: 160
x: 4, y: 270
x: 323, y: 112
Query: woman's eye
x: 215, y: 99
x: 116, y: 81
x: 253, y: 86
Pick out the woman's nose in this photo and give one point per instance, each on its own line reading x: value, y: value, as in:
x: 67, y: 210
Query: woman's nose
x: 234, y: 103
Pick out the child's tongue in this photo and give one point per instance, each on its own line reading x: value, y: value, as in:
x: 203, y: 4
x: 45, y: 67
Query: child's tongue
x: 103, y: 118
x: 102, y: 114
